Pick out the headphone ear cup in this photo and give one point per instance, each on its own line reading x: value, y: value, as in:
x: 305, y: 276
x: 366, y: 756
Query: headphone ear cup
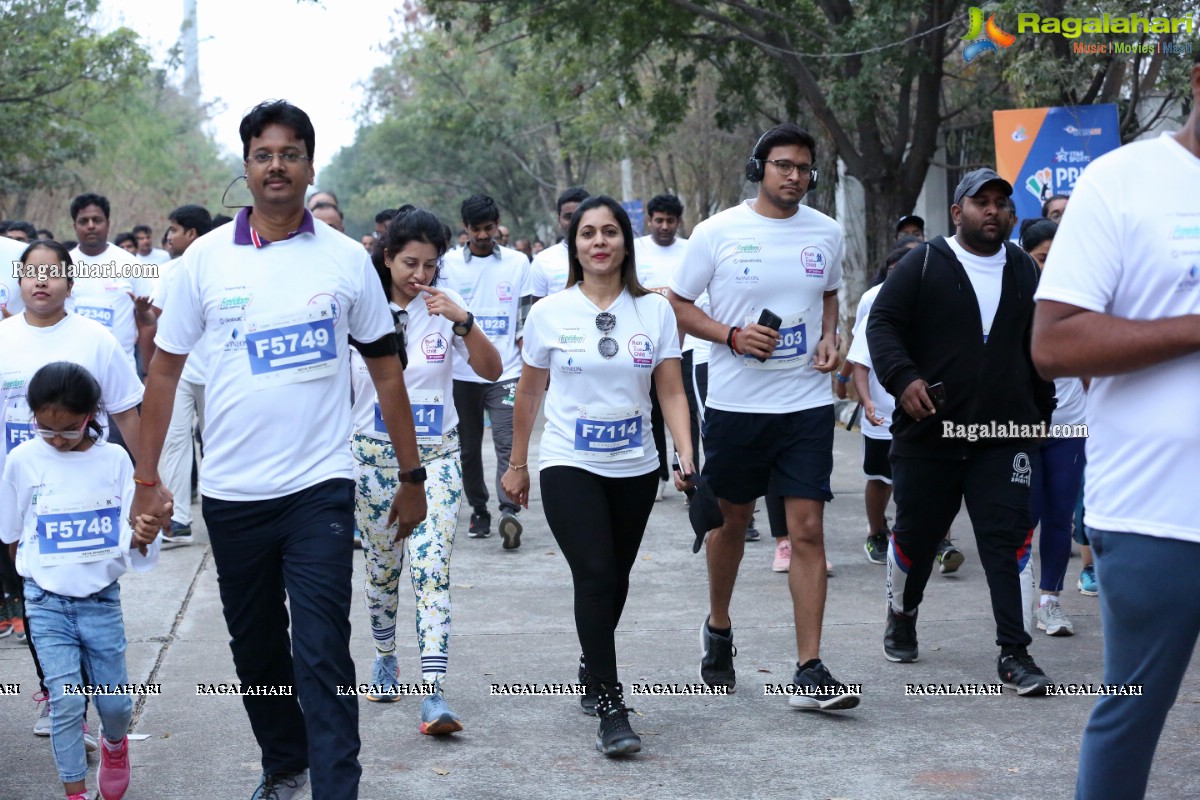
x: 812, y: 181
x: 754, y: 170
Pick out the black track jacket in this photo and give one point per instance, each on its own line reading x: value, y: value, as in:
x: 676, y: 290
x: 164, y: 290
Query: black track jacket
x: 925, y: 323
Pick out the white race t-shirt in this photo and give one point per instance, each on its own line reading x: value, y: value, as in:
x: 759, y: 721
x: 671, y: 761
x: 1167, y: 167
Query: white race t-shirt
x: 274, y: 322
x: 550, y: 269
x: 885, y: 404
x: 69, y: 512
x: 1131, y: 248
x: 433, y: 352
x: 107, y: 300
x: 10, y: 289
x: 987, y: 279
x: 156, y: 256
x: 700, y: 347
x: 25, y: 349
x: 493, y: 286
x: 748, y: 263
x: 656, y: 264
x: 1072, y: 402
x: 597, y: 408
x: 195, y: 369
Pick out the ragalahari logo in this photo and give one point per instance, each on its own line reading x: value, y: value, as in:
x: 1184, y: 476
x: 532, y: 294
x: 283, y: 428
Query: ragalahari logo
x: 994, y: 38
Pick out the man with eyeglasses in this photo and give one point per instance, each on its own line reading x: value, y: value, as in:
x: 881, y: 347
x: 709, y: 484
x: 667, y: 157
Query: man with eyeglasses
x: 275, y: 301
x: 772, y: 269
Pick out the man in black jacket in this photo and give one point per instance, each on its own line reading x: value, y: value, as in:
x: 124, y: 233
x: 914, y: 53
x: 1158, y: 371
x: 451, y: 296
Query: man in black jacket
x: 949, y: 336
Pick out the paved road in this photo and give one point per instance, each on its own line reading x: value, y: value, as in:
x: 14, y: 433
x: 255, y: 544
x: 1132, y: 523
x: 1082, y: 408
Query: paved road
x: 513, y: 623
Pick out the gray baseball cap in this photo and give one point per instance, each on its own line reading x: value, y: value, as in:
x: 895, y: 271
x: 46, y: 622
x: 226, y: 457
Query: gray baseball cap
x: 973, y: 181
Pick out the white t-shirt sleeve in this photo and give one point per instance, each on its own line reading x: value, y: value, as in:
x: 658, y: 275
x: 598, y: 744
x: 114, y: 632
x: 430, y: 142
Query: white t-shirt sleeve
x: 182, y: 322
x: 833, y: 275
x: 369, y: 319
x: 12, y: 518
x: 859, y: 352
x: 668, y: 334
x: 534, y: 350
x: 1085, y: 264
x: 539, y: 284
x: 698, y: 267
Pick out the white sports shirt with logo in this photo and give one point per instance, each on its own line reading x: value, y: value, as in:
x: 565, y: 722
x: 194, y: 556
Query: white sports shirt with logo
x: 885, y: 404
x: 433, y: 354
x: 598, y: 409
x: 1129, y: 246
x: 107, y: 300
x: 550, y: 268
x: 656, y: 264
x: 748, y: 263
x: 274, y: 323
x: 493, y: 286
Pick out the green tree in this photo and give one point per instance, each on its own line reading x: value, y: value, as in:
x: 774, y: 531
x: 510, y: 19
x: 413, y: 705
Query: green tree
x: 56, y: 69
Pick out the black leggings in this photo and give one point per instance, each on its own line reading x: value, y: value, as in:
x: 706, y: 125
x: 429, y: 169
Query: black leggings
x: 598, y: 522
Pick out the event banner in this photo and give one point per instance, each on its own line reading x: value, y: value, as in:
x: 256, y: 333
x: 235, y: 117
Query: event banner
x: 1042, y: 151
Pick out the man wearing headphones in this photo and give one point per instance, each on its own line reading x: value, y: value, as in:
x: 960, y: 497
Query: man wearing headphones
x: 772, y: 268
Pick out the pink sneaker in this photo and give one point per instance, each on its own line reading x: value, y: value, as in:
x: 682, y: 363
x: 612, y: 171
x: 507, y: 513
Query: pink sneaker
x: 783, y: 555
x: 114, y: 770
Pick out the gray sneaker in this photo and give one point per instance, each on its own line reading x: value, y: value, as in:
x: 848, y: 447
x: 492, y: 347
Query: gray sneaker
x: 41, y: 726
x: 284, y: 786
x: 1052, y: 620
x: 510, y: 530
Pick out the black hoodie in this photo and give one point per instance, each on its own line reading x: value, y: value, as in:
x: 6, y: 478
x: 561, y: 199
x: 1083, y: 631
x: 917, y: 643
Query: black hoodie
x: 925, y: 323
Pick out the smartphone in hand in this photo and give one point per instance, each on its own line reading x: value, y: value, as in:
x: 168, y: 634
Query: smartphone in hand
x: 769, y: 319
x: 937, y: 393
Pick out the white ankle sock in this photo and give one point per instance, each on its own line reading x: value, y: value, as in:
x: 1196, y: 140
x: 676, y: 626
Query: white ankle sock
x: 1046, y: 598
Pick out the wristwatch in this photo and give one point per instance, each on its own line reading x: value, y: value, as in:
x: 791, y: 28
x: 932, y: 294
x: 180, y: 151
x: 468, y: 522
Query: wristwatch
x: 463, y: 328
x: 417, y: 475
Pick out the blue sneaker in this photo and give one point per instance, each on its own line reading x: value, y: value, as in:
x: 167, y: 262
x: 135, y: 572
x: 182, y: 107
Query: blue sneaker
x: 436, y: 717
x: 1087, y: 583
x: 384, y: 686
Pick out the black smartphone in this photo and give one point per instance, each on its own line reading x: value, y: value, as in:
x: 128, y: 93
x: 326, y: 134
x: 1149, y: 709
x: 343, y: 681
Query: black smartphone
x: 937, y: 393
x: 769, y: 319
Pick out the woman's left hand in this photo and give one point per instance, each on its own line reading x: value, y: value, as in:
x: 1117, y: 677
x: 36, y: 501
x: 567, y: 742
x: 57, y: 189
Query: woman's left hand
x: 439, y: 304
x: 686, y: 467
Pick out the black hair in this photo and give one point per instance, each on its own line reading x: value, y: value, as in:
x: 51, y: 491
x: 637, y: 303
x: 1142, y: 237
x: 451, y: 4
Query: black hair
x: 44, y: 233
x: 629, y: 277
x: 900, y: 249
x: 66, y: 384
x: 60, y: 250
x: 26, y: 227
x: 277, y: 112
x: 576, y: 194
x: 89, y: 199
x: 411, y: 224
x: 387, y: 215
x: 142, y: 229
x: 1036, y: 231
x: 192, y: 217
x: 121, y: 238
x: 664, y: 204
x: 325, y: 204
x: 221, y: 219
x: 4, y: 226
x: 784, y: 134
x: 70, y: 244
x: 479, y: 209
x: 1051, y: 199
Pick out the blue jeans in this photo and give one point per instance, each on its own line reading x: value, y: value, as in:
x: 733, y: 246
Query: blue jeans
x: 1150, y: 618
x: 1052, y: 503
x: 71, y: 633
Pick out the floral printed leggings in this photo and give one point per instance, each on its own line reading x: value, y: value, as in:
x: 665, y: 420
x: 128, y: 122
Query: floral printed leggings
x: 428, y: 547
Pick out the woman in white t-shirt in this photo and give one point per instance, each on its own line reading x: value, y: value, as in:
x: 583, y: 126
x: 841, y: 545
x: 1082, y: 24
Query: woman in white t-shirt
x: 598, y: 342
x: 1057, y: 484
x: 436, y: 328
x: 65, y: 511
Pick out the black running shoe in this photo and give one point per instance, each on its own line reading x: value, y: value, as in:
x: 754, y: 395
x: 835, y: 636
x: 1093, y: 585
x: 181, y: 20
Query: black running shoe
x: 716, y: 659
x: 816, y: 690
x: 876, y: 547
x: 1020, y: 673
x: 481, y: 525
x: 900, y: 637
x: 510, y: 529
x: 587, y: 700
x: 949, y: 557
x: 615, y: 737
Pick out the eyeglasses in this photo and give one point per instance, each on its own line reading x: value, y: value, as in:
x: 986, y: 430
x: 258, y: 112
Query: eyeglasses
x: 605, y: 323
x: 287, y: 158
x: 787, y: 167
x: 70, y: 436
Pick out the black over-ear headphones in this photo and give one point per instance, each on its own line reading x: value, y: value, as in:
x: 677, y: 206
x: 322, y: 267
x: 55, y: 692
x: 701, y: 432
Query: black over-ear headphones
x: 756, y: 167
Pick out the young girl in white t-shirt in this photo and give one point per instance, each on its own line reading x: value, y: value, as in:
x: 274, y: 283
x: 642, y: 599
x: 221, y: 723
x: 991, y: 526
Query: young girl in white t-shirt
x: 438, y: 329
x: 64, y: 512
